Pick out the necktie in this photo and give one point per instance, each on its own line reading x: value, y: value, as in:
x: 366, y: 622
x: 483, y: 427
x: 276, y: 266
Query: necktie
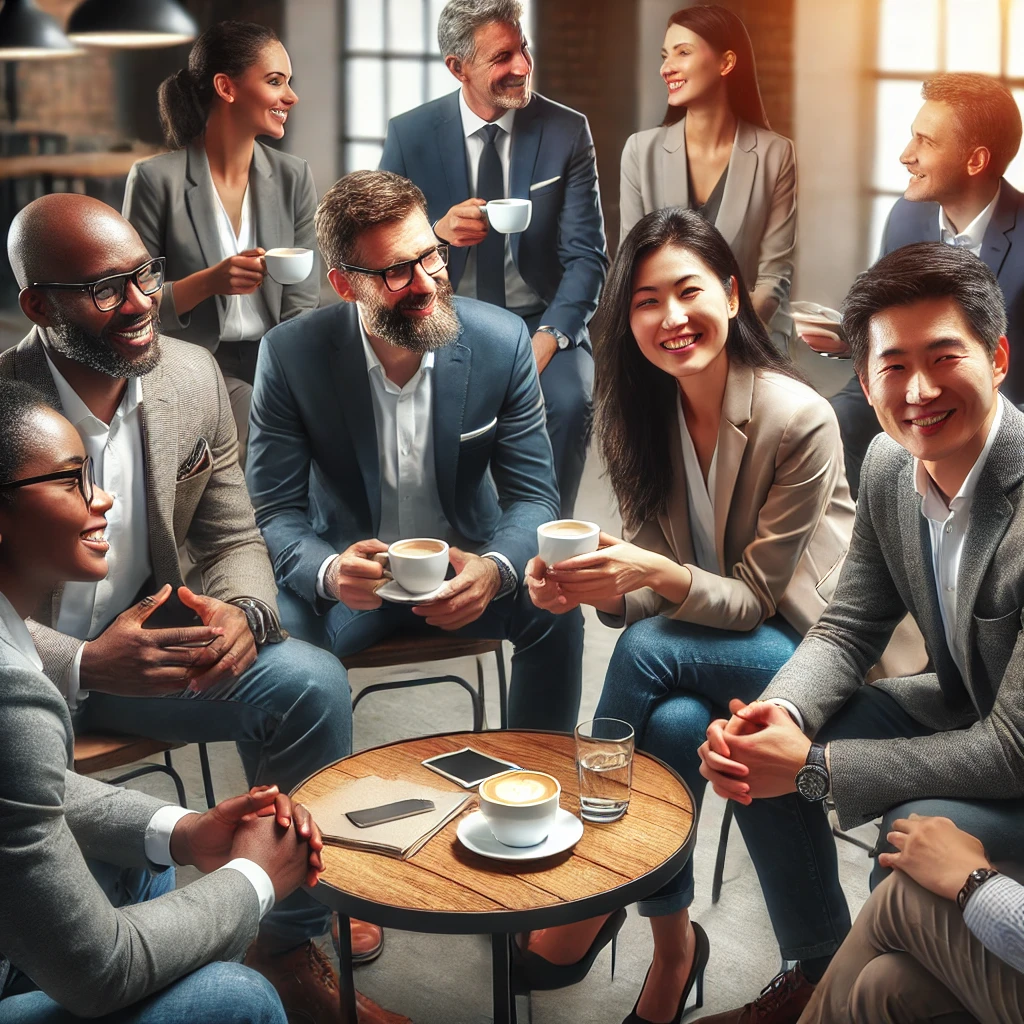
x: 490, y: 260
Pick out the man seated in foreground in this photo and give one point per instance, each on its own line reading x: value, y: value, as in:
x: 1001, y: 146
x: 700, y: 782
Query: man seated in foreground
x: 65, y: 952
x: 939, y: 533
x: 402, y: 413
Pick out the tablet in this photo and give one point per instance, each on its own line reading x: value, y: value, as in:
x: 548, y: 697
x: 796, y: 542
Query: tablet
x: 468, y: 767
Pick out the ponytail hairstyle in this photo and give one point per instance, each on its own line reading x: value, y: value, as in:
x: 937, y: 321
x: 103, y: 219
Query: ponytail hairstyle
x: 185, y: 98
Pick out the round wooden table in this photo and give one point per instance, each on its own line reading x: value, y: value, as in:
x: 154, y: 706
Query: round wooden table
x: 445, y: 888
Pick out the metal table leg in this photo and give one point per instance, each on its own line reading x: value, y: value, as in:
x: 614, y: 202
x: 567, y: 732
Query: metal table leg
x: 501, y: 961
x: 346, y: 983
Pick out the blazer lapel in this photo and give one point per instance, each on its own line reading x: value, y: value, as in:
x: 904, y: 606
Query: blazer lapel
x: 739, y: 181
x: 527, y: 130
x: 996, y: 244
x: 673, y: 170
x: 451, y: 155
x: 675, y: 520
x: 732, y: 443
x: 202, y: 210
x: 451, y: 384
x: 348, y: 364
x: 270, y: 226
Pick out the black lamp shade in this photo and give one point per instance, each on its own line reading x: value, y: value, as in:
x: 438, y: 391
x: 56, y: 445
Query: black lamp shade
x: 26, y: 33
x: 131, y: 24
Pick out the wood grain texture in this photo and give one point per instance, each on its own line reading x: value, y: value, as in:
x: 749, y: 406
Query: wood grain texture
x: 95, y: 752
x: 444, y: 878
x: 417, y: 649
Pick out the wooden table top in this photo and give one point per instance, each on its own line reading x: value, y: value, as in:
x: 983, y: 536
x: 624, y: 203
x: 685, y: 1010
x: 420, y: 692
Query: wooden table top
x: 447, y: 888
x: 72, y: 165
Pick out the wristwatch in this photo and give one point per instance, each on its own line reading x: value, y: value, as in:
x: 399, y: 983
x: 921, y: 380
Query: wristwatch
x: 263, y: 623
x: 506, y: 575
x: 812, y: 781
x: 562, y: 339
x: 975, y: 880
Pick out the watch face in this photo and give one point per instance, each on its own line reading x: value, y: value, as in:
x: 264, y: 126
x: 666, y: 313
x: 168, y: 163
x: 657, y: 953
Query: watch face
x: 812, y: 782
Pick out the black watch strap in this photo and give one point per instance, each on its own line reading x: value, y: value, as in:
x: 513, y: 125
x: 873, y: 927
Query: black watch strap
x: 263, y: 622
x: 975, y: 880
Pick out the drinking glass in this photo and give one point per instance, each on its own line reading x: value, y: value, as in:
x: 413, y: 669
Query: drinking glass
x: 604, y: 760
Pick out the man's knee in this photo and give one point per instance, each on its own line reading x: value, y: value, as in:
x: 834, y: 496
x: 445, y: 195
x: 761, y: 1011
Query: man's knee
x: 879, y: 992
x: 568, y: 384
x: 231, y: 993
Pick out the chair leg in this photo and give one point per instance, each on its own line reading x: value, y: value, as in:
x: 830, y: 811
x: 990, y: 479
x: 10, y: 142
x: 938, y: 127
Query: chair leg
x: 480, y: 689
x: 723, y: 843
x: 204, y: 763
x: 150, y: 769
x: 499, y: 654
x: 615, y: 940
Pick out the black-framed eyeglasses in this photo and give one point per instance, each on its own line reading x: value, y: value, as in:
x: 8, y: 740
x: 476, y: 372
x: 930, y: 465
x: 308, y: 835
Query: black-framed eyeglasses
x: 108, y: 293
x: 399, y: 275
x: 83, y: 474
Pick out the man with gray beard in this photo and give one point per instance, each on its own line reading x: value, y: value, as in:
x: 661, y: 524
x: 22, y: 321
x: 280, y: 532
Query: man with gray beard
x: 402, y: 413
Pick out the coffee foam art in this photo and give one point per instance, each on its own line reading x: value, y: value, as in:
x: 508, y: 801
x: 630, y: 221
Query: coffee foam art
x: 519, y: 788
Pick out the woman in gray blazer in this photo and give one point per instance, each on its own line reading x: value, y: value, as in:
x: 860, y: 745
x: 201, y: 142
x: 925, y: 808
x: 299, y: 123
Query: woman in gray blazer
x: 715, y: 154
x: 215, y: 204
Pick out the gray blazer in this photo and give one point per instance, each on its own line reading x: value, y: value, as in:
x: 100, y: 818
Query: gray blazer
x: 206, y: 508
x: 758, y: 212
x: 978, y: 750
x: 56, y: 924
x: 170, y: 200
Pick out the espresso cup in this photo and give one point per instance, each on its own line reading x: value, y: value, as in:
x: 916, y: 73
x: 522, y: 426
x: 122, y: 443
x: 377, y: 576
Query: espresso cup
x: 563, y: 538
x: 509, y: 216
x: 420, y: 564
x: 520, y: 806
x: 289, y: 266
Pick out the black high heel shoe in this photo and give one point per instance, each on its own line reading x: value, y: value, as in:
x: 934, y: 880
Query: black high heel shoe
x: 532, y: 973
x: 701, y: 952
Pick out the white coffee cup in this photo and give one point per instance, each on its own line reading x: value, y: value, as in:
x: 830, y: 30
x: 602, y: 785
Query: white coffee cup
x: 563, y: 538
x: 509, y: 216
x: 520, y: 806
x: 289, y: 266
x: 419, y: 564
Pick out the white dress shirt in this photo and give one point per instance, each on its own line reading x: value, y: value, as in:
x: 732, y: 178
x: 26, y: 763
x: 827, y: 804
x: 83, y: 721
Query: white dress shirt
x: 974, y: 234
x: 246, y: 317
x: 947, y: 525
x: 519, y: 296
x: 700, y: 499
x: 157, y: 838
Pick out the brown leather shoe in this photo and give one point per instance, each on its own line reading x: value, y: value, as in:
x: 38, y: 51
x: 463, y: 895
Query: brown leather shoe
x: 305, y: 981
x: 367, y: 940
x: 370, y: 1013
x: 781, y: 1001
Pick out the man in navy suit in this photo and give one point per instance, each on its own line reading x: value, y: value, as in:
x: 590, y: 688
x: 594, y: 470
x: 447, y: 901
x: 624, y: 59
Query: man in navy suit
x: 405, y: 412
x: 495, y: 139
x: 963, y: 139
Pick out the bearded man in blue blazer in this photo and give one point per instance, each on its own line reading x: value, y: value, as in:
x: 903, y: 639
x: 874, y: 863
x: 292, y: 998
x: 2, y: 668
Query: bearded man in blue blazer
x: 405, y: 412
x: 495, y: 139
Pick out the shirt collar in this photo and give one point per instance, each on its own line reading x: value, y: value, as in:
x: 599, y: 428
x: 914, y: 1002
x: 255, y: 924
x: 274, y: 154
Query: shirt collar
x: 78, y: 412
x: 472, y: 123
x: 974, y: 234
x: 373, y: 363
x: 933, y: 506
x: 20, y: 635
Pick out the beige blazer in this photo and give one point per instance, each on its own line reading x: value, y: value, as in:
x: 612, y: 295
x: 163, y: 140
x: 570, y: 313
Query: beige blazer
x: 758, y: 212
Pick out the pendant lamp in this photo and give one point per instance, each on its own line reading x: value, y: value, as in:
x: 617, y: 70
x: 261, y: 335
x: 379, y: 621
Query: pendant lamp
x: 26, y: 33
x: 131, y: 24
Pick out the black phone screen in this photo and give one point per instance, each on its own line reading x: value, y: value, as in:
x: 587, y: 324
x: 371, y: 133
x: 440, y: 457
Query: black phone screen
x: 468, y: 767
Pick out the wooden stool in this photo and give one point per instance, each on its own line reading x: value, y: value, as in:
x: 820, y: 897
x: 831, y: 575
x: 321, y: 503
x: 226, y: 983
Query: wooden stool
x: 411, y: 649
x: 96, y: 752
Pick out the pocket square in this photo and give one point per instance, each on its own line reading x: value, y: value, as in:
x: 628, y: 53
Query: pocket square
x: 199, y: 459
x: 546, y: 181
x: 478, y: 432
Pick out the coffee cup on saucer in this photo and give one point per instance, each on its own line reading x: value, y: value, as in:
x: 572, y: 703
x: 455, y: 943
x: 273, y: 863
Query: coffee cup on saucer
x: 289, y: 266
x: 419, y: 564
x: 563, y: 538
x: 509, y: 216
x: 520, y: 807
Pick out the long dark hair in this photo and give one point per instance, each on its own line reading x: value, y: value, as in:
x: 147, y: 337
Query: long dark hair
x: 635, y: 402
x: 230, y: 48
x: 722, y: 30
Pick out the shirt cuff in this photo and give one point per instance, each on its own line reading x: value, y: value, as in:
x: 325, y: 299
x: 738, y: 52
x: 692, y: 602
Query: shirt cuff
x: 794, y: 711
x: 259, y: 879
x: 321, y: 574
x: 504, y: 561
x: 157, y: 841
x: 74, y: 693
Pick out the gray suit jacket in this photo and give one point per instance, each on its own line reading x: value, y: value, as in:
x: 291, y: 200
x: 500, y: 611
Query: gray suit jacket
x: 170, y: 200
x: 56, y: 924
x: 206, y: 509
x: 978, y: 750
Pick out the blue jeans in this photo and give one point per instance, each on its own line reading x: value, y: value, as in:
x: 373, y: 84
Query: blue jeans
x: 547, y: 665
x: 290, y: 714
x: 669, y: 679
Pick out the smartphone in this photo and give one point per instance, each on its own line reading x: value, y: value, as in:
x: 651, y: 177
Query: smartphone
x: 467, y: 767
x: 175, y: 614
x: 388, y: 812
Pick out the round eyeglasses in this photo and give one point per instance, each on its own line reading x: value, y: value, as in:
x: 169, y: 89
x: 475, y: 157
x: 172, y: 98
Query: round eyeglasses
x: 83, y: 474
x: 399, y: 275
x: 108, y: 292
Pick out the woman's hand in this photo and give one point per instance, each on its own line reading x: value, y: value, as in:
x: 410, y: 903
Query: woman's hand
x: 544, y: 593
x: 237, y: 275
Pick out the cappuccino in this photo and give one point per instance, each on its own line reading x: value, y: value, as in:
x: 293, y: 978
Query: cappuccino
x: 563, y: 538
x: 418, y: 547
x: 289, y: 266
x: 520, y: 807
x: 567, y: 528
x: 419, y: 564
x: 520, y: 788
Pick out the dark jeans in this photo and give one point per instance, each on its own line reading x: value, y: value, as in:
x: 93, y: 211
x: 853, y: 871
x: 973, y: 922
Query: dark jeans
x: 547, y: 664
x: 237, y: 362
x: 858, y: 424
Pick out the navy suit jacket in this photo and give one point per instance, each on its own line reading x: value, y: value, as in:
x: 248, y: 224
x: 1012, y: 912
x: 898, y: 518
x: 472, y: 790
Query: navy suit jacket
x: 562, y: 255
x: 313, y: 466
x: 1002, y: 249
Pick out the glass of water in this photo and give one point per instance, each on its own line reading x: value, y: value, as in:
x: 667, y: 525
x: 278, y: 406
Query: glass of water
x: 604, y: 760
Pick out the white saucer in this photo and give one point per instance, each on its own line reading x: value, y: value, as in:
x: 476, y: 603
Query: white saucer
x: 391, y: 591
x: 475, y: 834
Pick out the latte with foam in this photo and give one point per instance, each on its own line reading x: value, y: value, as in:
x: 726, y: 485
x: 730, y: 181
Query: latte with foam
x: 417, y: 547
x: 519, y: 788
x: 567, y: 528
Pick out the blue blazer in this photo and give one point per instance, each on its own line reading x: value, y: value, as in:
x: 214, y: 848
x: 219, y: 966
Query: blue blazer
x: 562, y: 255
x: 1002, y: 249
x: 313, y: 467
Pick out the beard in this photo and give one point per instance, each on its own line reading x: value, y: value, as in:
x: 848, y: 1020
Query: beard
x: 96, y: 351
x: 390, y: 324
x: 500, y: 97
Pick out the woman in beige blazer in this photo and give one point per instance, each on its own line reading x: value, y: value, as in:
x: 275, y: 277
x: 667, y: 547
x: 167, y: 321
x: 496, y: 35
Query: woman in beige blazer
x: 729, y: 474
x: 714, y: 153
